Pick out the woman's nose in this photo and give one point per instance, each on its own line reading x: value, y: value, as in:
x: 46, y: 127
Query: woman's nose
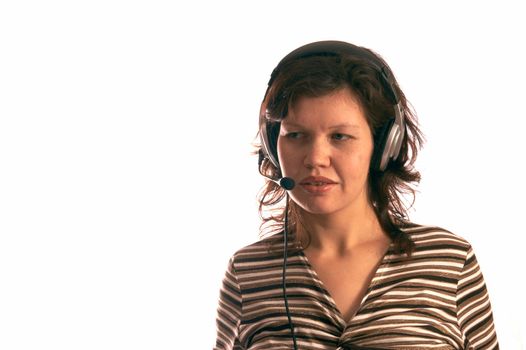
x: 317, y: 154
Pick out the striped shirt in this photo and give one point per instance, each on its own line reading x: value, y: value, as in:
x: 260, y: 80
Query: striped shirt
x: 437, y: 299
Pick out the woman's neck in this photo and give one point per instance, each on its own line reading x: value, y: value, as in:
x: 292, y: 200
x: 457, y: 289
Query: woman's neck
x: 338, y: 233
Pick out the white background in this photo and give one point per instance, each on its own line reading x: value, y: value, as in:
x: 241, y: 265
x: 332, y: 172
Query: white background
x: 126, y: 179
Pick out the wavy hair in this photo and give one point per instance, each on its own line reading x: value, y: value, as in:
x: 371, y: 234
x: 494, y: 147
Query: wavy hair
x: 317, y: 76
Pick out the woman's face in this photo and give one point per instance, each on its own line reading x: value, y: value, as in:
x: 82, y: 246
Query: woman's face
x: 325, y: 145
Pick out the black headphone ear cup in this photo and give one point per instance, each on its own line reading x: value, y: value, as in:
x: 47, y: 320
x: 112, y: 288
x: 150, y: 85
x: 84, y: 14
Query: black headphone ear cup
x: 269, y: 133
x: 380, y: 139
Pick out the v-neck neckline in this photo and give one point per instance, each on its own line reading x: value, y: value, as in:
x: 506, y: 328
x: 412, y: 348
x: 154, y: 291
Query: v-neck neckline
x: 378, y: 273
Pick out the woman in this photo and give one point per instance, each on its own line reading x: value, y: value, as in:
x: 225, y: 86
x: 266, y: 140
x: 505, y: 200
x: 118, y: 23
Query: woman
x: 338, y: 141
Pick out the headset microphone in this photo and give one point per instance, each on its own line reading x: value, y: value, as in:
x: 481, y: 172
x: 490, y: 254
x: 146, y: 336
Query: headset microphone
x: 388, y: 139
x: 286, y: 183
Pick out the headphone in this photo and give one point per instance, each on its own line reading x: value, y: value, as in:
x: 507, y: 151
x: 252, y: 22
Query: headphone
x: 389, y: 137
x: 387, y: 141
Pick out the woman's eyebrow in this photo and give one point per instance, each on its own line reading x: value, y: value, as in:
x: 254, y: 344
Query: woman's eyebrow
x: 344, y: 125
x: 337, y: 126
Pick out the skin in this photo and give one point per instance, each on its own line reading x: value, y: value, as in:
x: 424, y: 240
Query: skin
x: 329, y: 136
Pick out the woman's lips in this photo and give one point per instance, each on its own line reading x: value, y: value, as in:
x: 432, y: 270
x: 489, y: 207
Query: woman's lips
x: 317, y: 184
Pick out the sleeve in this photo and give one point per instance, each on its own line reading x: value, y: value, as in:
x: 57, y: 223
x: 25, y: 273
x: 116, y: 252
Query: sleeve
x: 229, y: 311
x: 474, y: 314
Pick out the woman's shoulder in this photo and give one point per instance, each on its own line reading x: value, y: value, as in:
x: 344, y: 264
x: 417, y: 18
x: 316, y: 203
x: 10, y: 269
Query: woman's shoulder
x: 261, y: 249
x: 428, y: 236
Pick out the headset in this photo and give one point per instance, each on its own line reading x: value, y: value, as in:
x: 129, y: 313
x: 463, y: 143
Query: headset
x: 387, y: 141
x: 388, y: 138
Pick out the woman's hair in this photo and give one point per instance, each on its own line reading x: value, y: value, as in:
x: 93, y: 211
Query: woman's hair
x: 319, y: 75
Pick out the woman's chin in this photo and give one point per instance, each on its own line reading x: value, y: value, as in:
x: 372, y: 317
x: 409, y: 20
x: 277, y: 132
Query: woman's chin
x: 317, y: 208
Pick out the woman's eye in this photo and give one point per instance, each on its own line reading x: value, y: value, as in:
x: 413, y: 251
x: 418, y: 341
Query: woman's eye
x: 341, y: 137
x: 293, y: 135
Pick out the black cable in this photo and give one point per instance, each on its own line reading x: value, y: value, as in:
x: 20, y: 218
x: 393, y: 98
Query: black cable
x: 284, y: 282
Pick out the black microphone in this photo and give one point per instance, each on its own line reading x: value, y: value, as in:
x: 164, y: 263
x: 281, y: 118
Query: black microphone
x: 286, y: 183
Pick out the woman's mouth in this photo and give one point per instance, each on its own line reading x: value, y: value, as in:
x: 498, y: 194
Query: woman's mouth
x: 317, y: 184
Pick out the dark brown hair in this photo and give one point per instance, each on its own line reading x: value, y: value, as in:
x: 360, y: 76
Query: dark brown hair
x: 316, y: 76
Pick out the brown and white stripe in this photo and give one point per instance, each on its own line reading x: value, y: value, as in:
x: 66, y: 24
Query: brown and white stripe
x: 437, y: 299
